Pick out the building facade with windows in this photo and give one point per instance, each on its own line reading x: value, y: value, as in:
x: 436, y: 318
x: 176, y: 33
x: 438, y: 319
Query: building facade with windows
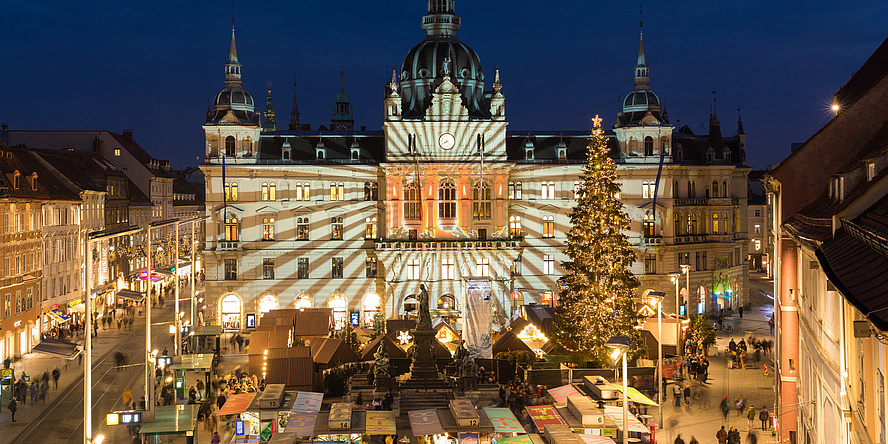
x: 356, y: 220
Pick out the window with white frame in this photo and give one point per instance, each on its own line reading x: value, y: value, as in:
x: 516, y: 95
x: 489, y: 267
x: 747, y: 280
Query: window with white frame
x: 412, y: 209
x: 337, y: 191
x: 302, y: 191
x: 268, y: 228
x: 413, y: 270
x: 448, y: 269
x: 515, y: 190
x: 514, y: 226
x: 482, y: 267
x: 302, y: 228
x: 648, y: 189
x: 547, y: 190
x: 230, y: 189
x: 336, y: 228
x: 447, y: 199
x: 548, y: 264
x: 481, y: 202
x: 370, y: 228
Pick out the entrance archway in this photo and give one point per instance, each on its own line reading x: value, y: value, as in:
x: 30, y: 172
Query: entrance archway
x: 370, y: 309
x: 340, y: 314
x: 302, y: 301
x: 702, y: 294
x: 231, y: 310
x: 267, y: 303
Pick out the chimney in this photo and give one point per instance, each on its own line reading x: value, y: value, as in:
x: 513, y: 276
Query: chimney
x: 128, y: 133
x: 4, y: 132
x: 363, y: 127
x: 99, y: 146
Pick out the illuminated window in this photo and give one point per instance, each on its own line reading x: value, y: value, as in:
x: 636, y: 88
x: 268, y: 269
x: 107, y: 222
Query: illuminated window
x: 370, y: 230
x: 302, y: 191
x: 230, y: 269
x: 757, y: 229
x: 264, y: 195
x: 337, y: 191
x: 371, y: 191
x: 116, y: 152
x: 302, y: 228
x: 268, y: 228
x: 515, y: 226
x: 230, y: 189
x: 482, y: 267
x: 650, y: 226
x: 481, y: 204
x: 447, y: 269
x: 370, y: 265
x: 758, y: 245
x: 577, y: 187
x: 231, y: 228
x: 693, y: 224
x: 548, y: 264
x: 548, y: 226
x: 517, y: 266
x: 515, y: 190
x: 447, y: 199
x: 547, y: 190
x: 412, y: 209
x: 413, y: 270
x: 336, y: 227
x: 714, y: 223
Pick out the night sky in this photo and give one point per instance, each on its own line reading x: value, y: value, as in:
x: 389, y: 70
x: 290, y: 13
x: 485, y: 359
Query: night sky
x: 151, y: 66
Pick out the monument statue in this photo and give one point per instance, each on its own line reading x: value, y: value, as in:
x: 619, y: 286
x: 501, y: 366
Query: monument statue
x: 447, y: 66
x: 425, y: 318
x: 464, y: 362
x: 381, y: 365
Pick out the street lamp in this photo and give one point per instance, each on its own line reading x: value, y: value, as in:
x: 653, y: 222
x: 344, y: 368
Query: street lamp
x: 178, y: 345
x: 93, y: 238
x: 656, y: 301
x: 620, y: 345
x: 149, y: 390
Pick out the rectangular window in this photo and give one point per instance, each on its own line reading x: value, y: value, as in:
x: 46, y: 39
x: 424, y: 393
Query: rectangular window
x: 448, y: 269
x: 482, y: 267
x: 302, y: 268
x: 370, y: 267
x: 548, y: 264
x: 650, y: 264
x: 517, y: 266
x: 412, y: 209
x: 758, y: 229
x: 116, y: 152
x: 548, y: 226
x: 29, y: 298
x: 18, y: 302
x: 337, y: 191
x: 758, y: 213
x: 515, y: 190
x: 336, y: 227
x: 684, y: 258
x: 268, y: 268
x: 302, y: 228
x: 413, y: 270
x: 370, y: 228
x: 547, y: 190
x: 230, y: 269
x: 302, y: 191
x: 268, y: 229
x: 7, y: 306
x: 337, y: 268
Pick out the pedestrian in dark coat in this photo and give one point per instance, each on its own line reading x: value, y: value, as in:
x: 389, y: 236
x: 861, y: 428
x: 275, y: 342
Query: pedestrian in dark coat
x: 56, y: 374
x: 12, y: 406
x: 764, y: 416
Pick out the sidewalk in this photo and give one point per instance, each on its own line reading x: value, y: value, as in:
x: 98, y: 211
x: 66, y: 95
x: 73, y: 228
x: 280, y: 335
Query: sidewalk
x: 702, y: 419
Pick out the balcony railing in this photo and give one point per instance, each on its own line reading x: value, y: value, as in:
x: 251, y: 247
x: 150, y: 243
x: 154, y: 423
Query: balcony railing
x: 691, y: 239
x: 446, y: 244
x: 689, y: 202
x: 228, y: 246
x: 652, y: 241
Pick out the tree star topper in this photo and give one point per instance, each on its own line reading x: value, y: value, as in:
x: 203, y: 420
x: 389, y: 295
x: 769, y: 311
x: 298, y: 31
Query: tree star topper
x: 404, y: 337
x: 596, y: 121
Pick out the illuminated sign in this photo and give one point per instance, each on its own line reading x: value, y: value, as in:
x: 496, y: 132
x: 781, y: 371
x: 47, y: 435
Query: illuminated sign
x: 251, y: 320
x: 112, y: 419
x: 355, y: 318
x: 239, y: 428
x: 404, y: 337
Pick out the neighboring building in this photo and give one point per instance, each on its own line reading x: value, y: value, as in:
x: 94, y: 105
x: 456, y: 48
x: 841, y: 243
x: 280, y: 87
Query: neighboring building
x: 757, y: 219
x: 22, y: 196
x: 830, y: 204
x: 356, y: 220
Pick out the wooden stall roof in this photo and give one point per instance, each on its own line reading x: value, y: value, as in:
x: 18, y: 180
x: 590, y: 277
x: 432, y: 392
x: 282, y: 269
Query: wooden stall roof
x: 313, y: 322
x: 332, y: 352
x: 507, y: 342
x: 394, y: 350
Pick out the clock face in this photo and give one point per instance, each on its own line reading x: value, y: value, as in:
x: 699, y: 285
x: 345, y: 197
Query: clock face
x: 446, y: 141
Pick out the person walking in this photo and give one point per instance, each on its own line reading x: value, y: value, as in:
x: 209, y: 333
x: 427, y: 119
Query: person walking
x: 764, y: 416
x: 56, y: 374
x: 127, y: 397
x: 722, y: 436
x: 676, y: 395
x: 678, y: 440
x: 687, y: 395
x: 750, y: 416
x: 741, y: 312
x: 693, y: 440
x: 33, y: 392
x: 724, y: 408
x: 12, y: 406
x: 216, y: 439
x: 733, y: 436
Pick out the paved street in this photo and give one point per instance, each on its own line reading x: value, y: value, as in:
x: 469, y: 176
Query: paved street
x: 703, y: 418
x: 60, y: 419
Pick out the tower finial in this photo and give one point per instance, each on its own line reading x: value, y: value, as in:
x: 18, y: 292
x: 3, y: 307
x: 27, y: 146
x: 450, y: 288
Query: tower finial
x: 342, y: 78
x: 232, y: 14
x: 641, y: 17
x: 642, y: 81
x: 294, y: 114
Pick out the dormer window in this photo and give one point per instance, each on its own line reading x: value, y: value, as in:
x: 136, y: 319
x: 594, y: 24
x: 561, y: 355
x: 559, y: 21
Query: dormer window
x: 528, y: 150
x: 17, y: 181
x: 648, y: 146
x: 870, y: 170
x: 33, y: 181
x: 320, y: 151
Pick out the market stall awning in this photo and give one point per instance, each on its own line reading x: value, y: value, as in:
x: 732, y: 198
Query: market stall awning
x: 593, y: 439
x: 302, y: 424
x: 130, y: 294
x: 520, y: 439
x: 172, y: 419
x: 635, y: 396
x: 207, y: 330
x: 58, y: 316
x: 543, y: 415
x: 237, y: 404
x: 425, y: 422
x: 560, y: 394
x: 58, y: 348
x: 307, y: 402
x: 503, y: 420
x: 201, y: 361
x: 616, y: 415
x: 380, y: 422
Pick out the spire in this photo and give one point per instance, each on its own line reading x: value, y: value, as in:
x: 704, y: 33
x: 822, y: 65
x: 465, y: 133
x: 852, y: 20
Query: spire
x: 294, y: 114
x: 497, y: 85
x: 642, y: 81
x: 740, y: 131
x: 269, y: 124
x: 441, y: 19
x: 716, y: 141
x: 342, y: 113
x: 233, y: 67
x: 714, y: 116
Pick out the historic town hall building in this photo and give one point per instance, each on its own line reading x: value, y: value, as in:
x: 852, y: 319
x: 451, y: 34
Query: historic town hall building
x: 355, y: 220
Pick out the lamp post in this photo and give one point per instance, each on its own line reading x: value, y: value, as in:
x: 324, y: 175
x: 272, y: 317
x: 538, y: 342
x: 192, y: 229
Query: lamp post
x: 93, y: 238
x: 149, y: 390
x: 177, y: 322
x: 620, y: 345
x: 656, y: 300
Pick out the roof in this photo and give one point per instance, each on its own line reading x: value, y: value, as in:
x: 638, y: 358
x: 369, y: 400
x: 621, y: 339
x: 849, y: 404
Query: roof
x: 52, y: 180
x: 509, y: 342
x: 9, y: 164
x: 313, y: 322
x: 337, y: 145
x: 873, y: 70
x: 394, y: 350
x: 76, y: 167
x: 332, y: 352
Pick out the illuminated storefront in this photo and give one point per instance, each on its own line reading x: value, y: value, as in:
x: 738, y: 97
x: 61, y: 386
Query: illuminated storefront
x: 231, y: 311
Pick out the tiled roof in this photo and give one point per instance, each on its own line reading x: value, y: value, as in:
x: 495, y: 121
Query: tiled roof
x: 873, y: 70
x: 9, y: 164
x: 51, y: 180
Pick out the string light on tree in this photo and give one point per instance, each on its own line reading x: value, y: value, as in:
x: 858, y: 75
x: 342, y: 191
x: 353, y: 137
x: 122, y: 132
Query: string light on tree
x: 598, y: 296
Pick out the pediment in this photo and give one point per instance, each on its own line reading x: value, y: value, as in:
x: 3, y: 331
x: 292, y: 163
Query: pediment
x: 266, y: 210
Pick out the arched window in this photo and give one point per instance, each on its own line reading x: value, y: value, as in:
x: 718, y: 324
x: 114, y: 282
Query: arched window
x: 371, y: 191
x: 286, y: 155
x: 268, y: 228
x: 303, y: 301
x: 649, y: 225
x: 714, y: 223
x: 412, y: 209
x: 447, y: 199
x: 302, y: 191
x: 677, y: 224
x: 714, y: 188
x: 340, y: 314
x: 337, y: 191
x: 693, y: 225
x: 548, y: 226
x: 230, y: 189
x: 336, y: 233
x: 264, y: 195
x: 725, y: 223
x: 267, y: 303
x: 447, y: 302
x: 514, y: 226
x: 370, y: 309
x: 231, y: 228
x: 481, y: 204
x: 515, y: 190
x: 272, y: 191
x: 648, y: 146
x: 725, y: 188
x: 577, y: 187
x: 370, y: 229
x: 230, y: 148
x: 302, y: 228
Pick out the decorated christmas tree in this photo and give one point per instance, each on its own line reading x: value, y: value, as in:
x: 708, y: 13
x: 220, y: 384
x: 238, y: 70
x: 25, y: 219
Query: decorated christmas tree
x: 599, y: 296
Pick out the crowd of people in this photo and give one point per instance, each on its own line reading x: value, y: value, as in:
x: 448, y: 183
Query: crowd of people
x: 24, y: 389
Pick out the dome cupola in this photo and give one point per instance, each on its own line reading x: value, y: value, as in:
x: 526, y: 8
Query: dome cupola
x: 641, y: 100
x: 233, y: 104
x: 440, y: 55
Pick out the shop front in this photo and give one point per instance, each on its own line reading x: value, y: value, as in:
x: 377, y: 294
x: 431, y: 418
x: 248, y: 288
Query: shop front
x: 231, y: 312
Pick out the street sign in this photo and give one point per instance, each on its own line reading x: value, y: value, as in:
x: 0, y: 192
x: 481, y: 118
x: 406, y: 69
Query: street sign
x: 239, y: 428
x: 112, y: 419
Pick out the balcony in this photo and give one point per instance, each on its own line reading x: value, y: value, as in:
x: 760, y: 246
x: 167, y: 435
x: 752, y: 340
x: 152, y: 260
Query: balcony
x: 446, y: 244
x: 228, y: 246
x: 652, y: 241
x: 689, y: 202
x: 691, y: 239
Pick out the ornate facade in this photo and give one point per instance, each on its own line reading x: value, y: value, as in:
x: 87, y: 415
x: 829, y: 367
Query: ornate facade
x: 356, y: 220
